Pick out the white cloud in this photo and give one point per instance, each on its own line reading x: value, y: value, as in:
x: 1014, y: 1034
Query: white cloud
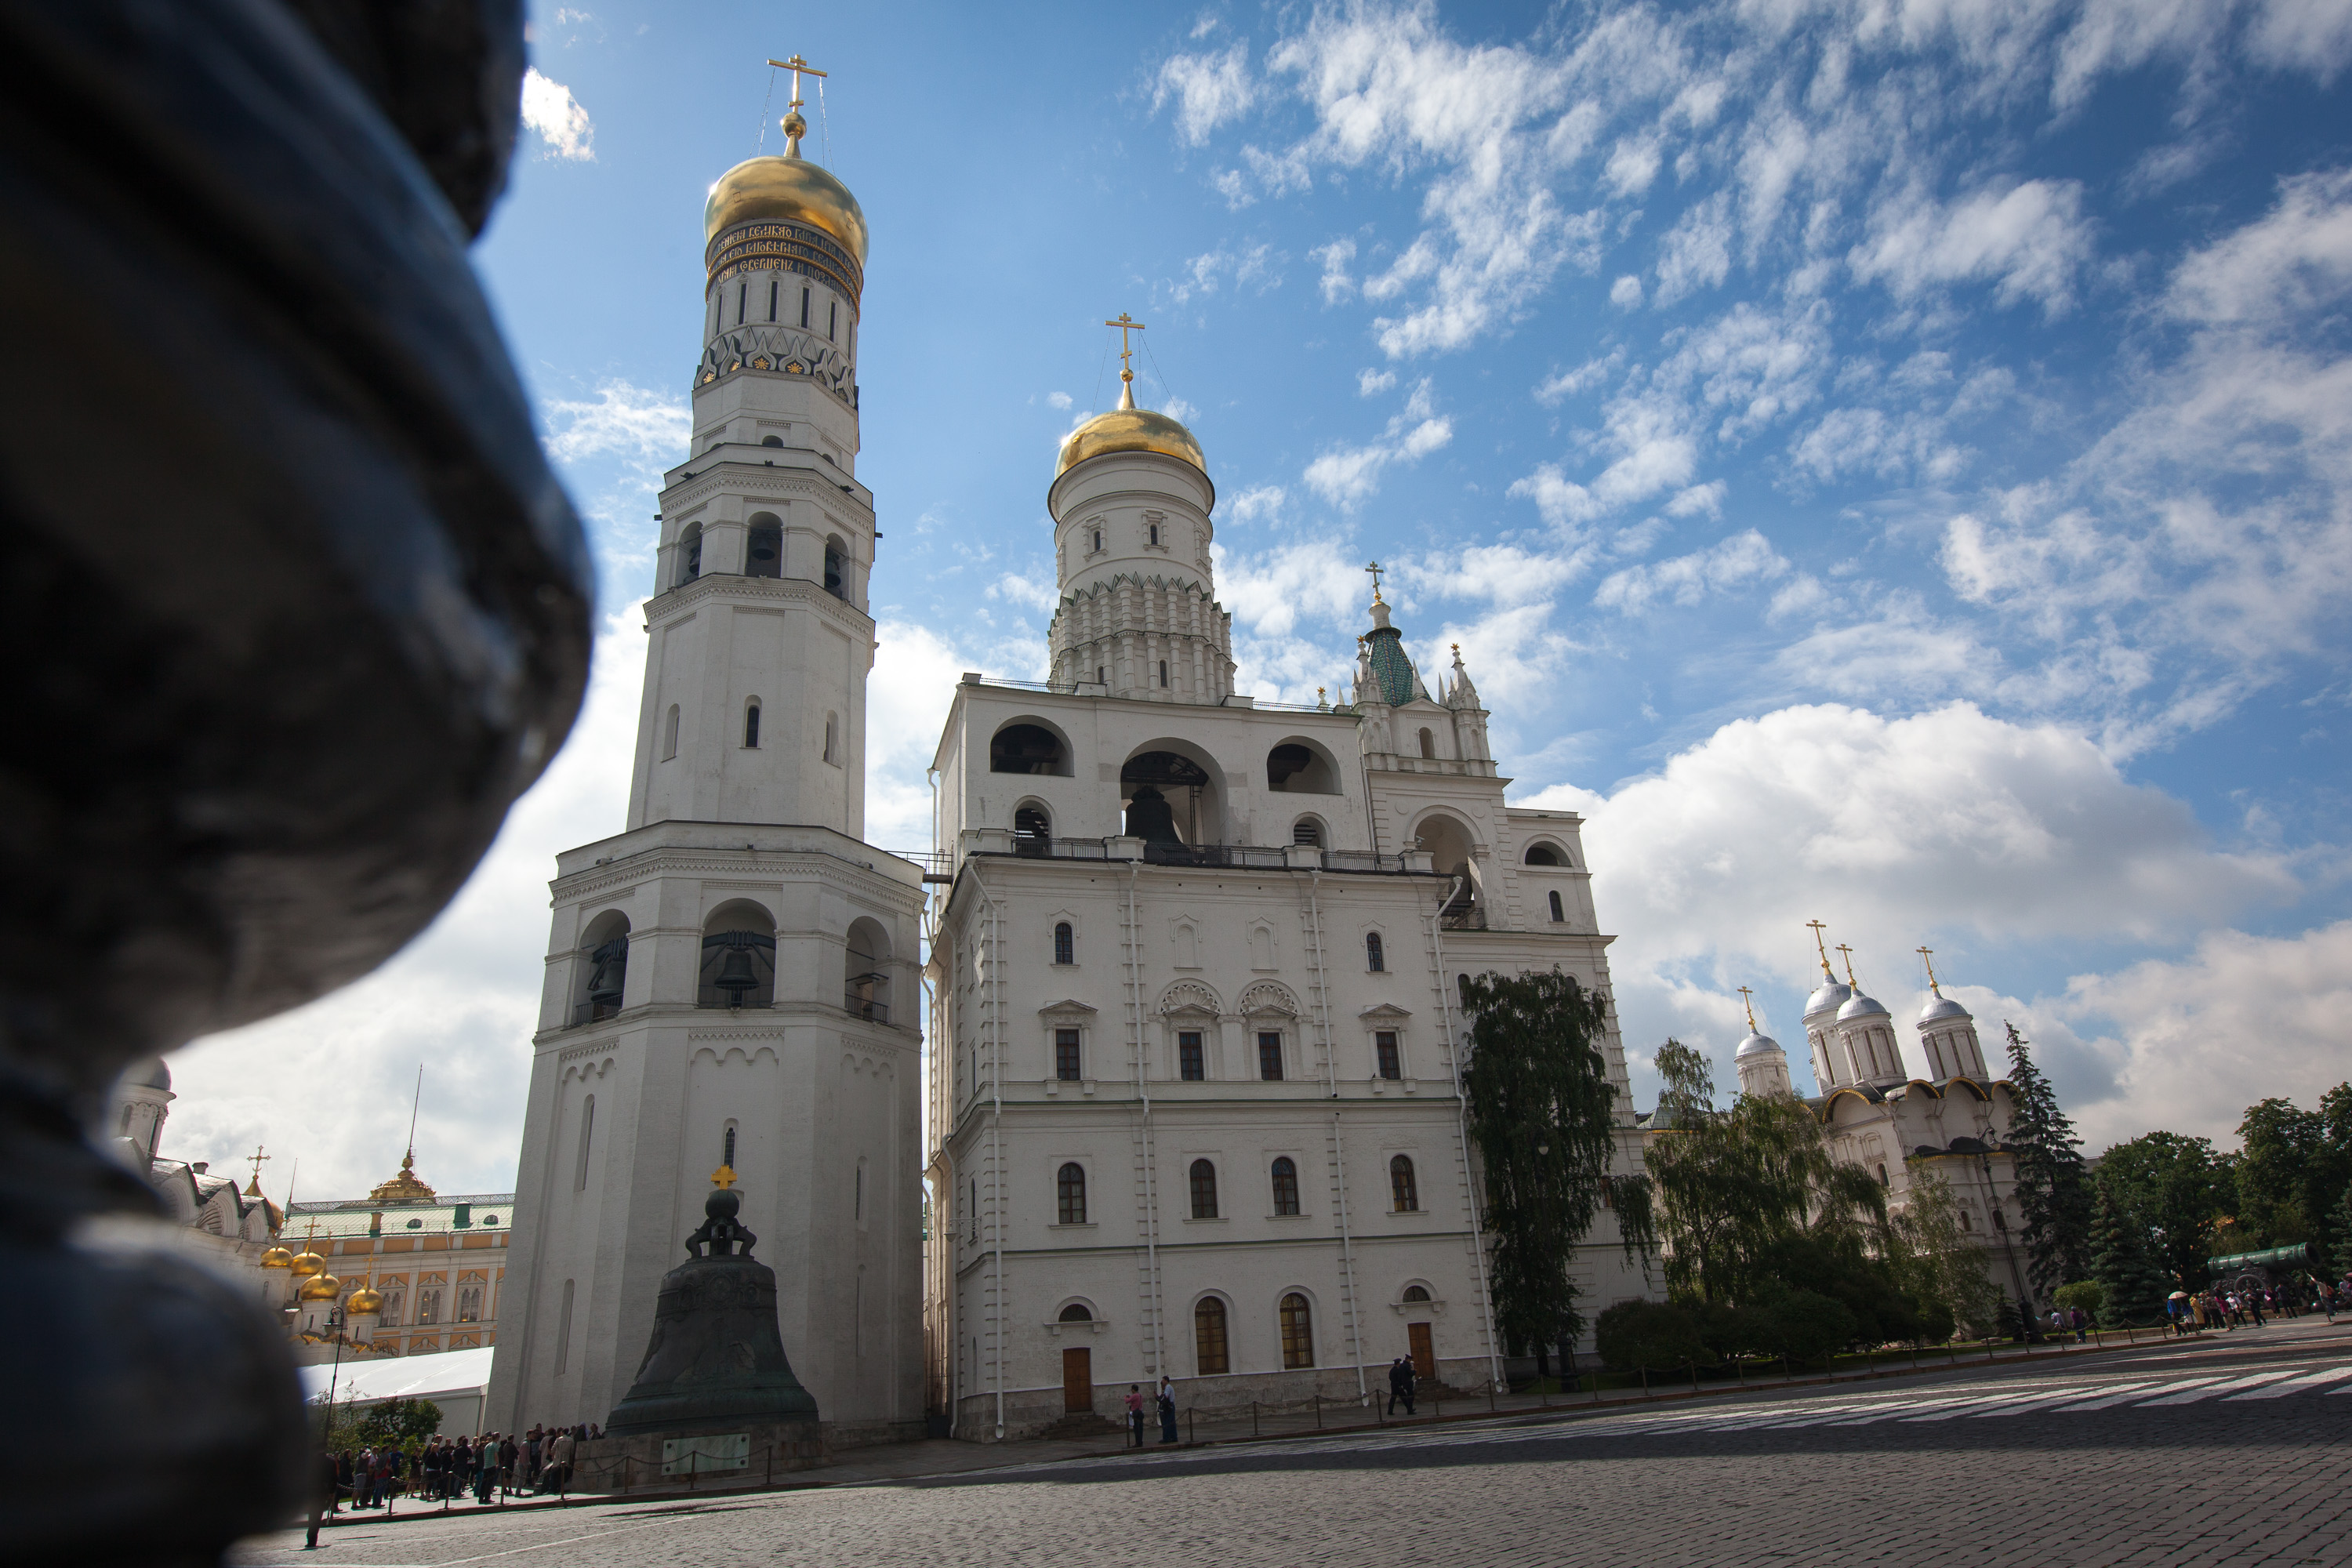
x: 1508, y: 574
x: 1209, y: 91
x: 1744, y: 560
x: 1626, y: 292
x: 1336, y: 282
x: 1207, y: 273
x: 1346, y: 475
x: 1033, y: 592
x: 1584, y: 378
x: 1369, y: 383
x: 1696, y: 252
x: 646, y: 429
x: 563, y: 127
x: 1269, y: 591
x: 2030, y: 240
x: 1058, y: 399
x: 1258, y: 501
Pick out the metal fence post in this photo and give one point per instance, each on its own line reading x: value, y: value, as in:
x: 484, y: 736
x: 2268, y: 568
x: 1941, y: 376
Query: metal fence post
x: 1318, y: 1410
x: 1645, y: 1381
x: 1252, y: 1417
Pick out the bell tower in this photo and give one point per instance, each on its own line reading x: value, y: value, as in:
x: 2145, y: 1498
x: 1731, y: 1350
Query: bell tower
x: 761, y: 641
x: 731, y: 979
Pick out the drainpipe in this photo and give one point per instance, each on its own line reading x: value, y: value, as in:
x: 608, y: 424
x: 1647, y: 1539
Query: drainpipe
x: 1462, y: 1126
x: 1143, y: 1091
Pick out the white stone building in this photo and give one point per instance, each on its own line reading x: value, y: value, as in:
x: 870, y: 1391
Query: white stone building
x: 733, y: 979
x: 234, y: 1231
x: 1952, y: 1122
x: 1194, y: 995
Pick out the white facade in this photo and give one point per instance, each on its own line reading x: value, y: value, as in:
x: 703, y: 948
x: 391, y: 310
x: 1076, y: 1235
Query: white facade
x: 1193, y: 1091
x: 733, y: 979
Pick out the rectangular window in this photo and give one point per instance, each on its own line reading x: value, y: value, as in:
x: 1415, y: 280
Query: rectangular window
x: 743, y: 293
x: 1391, y: 1064
x: 832, y: 320
x: 1269, y: 1056
x: 805, y: 305
x: 1066, y: 1055
x: 772, y: 299
x: 1191, y: 1063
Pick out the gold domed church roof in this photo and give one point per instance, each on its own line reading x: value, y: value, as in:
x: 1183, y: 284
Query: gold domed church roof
x: 1127, y: 429
x: 769, y: 212
x: 403, y: 1186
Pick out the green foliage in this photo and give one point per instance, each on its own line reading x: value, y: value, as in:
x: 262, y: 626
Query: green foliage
x: 2344, y: 1235
x: 1653, y: 1335
x: 1805, y: 1325
x: 1730, y: 1185
x: 2132, y: 1288
x: 2085, y: 1295
x: 1540, y: 1110
x: 2054, y: 1190
x: 405, y: 1424
x: 2291, y: 1172
x: 1940, y: 1263
x: 2177, y: 1189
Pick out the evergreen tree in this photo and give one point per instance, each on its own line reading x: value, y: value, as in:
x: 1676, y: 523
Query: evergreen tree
x: 2123, y: 1263
x: 1540, y: 1107
x: 2343, y: 1237
x: 2177, y: 1189
x: 2054, y: 1190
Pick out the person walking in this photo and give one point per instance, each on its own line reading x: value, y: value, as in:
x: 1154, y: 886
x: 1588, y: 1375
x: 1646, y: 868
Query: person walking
x: 1167, y: 1409
x: 1396, y: 1384
x: 560, y: 1461
x: 1135, y: 1416
x: 322, y: 1498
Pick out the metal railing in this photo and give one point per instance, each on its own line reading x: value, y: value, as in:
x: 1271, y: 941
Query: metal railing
x: 594, y: 1011
x: 867, y: 1009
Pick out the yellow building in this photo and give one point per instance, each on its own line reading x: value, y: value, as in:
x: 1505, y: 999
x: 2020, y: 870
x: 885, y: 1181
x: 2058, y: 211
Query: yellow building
x: 415, y: 1271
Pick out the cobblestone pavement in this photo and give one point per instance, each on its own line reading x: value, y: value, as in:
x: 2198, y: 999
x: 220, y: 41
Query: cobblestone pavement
x: 2223, y: 1453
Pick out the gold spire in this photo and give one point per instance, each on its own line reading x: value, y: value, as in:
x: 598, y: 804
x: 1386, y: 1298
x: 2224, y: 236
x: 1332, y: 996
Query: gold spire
x: 723, y: 1177
x: 1129, y: 428
x: 1850, y: 980
x: 1926, y: 957
x: 794, y: 126
x: 1126, y: 324
x: 404, y: 1187
x: 1750, y: 997
x: 1375, y: 569
x: 1817, y: 928
x: 253, y: 1190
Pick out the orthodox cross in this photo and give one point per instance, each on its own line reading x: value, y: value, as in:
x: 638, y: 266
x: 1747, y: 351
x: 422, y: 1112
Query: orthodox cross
x: 1376, y: 569
x: 1750, y: 998
x: 723, y: 1177
x: 796, y: 66
x: 1817, y: 928
x: 256, y: 1157
x: 1850, y: 980
x: 1126, y: 324
x: 1926, y: 957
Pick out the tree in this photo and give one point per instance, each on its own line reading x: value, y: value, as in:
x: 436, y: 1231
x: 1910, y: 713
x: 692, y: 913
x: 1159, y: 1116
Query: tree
x: 1940, y: 1262
x: 404, y: 1424
x: 2085, y: 1295
x: 1730, y: 1185
x: 2176, y: 1188
x: 2132, y: 1289
x: 2344, y: 1235
x: 2053, y: 1190
x: 1659, y: 1335
x: 2291, y: 1171
x: 1539, y: 1103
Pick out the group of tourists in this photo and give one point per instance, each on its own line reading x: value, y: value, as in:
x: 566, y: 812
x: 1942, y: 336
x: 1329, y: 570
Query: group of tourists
x: 445, y: 1469
x: 1165, y: 1402
x: 2250, y: 1306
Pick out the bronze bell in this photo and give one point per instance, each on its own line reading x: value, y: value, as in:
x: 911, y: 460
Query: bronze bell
x: 735, y: 975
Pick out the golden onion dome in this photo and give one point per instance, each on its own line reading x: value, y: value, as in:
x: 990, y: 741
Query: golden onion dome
x: 366, y: 1298
x: 788, y: 190
x: 320, y: 1288
x: 277, y: 1257
x: 308, y: 1263
x: 1127, y: 429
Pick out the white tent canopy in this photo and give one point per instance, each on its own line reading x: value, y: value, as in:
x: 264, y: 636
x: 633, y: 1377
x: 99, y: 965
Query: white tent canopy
x: 454, y: 1380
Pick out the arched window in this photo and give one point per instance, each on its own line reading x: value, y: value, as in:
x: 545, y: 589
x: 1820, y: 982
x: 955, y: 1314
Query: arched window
x: 764, y: 548
x: 1026, y: 748
x: 1033, y: 831
x: 751, y: 723
x: 1204, y: 1190
x: 1391, y: 1060
x: 1164, y: 672
x: 669, y: 735
x: 1070, y: 1186
x: 1209, y: 1356
x: 690, y: 554
x: 1428, y: 745
x: 834, y: 555
x: 1066, y: 943
x: 1542, y: 855
x: 1416, y: 1293
x: 804, y: 307
x: 1269, y: 1055
x: 772, y: 440
x: 1098, y: 541
x: 1297, y: 1332
x: 1192, y: 1064
x: 1557, y: 912
x: 832, y: 739
x: 1155, y: 534
x: 1306, y: 831
x: 587, y: 1136
x: 1882, y: 1176
x: 1066, y: 1063
x: 727, y: 1157
x: 1286, y: 1185
x: 1075, y: 1312
x: 739, y: 957
x: 1376, y: 958
x: 1404, y: 1196
x: 832, y: 320
x: 606, y: 977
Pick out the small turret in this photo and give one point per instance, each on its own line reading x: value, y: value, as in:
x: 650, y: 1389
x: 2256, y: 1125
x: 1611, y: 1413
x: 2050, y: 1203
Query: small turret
x: 1762, y: 1065
x: 1948, y: 1033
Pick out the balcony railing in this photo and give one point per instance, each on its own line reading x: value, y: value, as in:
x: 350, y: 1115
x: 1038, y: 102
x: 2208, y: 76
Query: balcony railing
x: 867, y: 1009
x: 594, y: 1011
x: 1268, y: 856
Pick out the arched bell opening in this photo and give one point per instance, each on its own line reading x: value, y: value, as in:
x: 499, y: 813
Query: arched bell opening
x: 604, y: 968
x: 1301, y: 767
x: 1169, y: 797
x: 866, y: 981
x: 1028, y: 748
x: 764, y: 550
x: 689, y: 555
x: 1449, y: 843
x: 836, y: 559
x: 1033, y: 829
x: 739, y: 957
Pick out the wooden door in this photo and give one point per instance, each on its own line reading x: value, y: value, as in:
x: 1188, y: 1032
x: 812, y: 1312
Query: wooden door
x: 1077, y: 1381
x: 1425, y: 1353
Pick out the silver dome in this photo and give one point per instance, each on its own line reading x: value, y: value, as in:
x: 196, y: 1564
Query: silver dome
x: 1828, y: 999
x: 1861, y: 1006
x: 154, y: 1075
x: 1756, y: 1046
x: 1939, y: 1009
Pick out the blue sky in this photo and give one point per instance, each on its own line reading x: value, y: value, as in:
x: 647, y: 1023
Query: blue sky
x: 1885, y: 462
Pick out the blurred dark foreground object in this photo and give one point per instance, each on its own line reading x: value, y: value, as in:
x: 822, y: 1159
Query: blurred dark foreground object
x: 294, y: 612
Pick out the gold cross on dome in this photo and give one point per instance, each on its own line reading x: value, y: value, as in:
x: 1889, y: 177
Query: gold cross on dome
x: 1377, y: 569
x: 796, y: 66
x: 1817, y: 928
x: 1750, y: 997
x: 1126, y: 324
x: 256, y: 1157
x: 1850, y: 980
x: 723, y: 1177
x: 1927, y: 958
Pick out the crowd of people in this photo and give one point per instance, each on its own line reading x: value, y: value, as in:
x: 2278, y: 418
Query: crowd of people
x: 492, y: 1466
x: 2248, y: 1306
